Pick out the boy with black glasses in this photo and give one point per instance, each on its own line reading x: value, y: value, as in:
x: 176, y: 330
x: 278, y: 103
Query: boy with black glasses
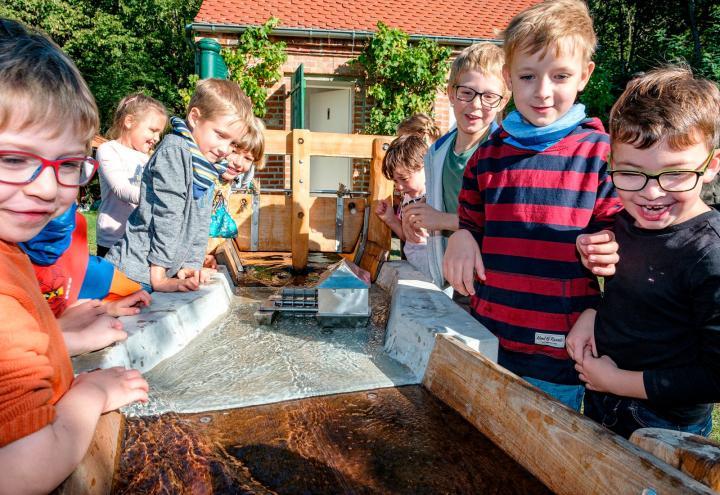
x: 650, y: 356
x: 477, y: 93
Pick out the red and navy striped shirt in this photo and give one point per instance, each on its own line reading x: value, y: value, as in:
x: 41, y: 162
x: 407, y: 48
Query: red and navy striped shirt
x: 525, y: 209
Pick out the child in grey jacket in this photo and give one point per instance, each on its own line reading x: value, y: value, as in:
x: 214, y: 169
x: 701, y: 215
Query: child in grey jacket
x: 164, y: 244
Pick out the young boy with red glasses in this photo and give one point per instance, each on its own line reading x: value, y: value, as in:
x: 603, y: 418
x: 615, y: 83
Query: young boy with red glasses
x: 650, y: 356
x: 47, y: 120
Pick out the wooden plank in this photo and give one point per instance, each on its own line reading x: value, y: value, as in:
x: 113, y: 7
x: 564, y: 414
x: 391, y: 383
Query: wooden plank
x: 226, y: 254
x: 566, y: 451
x: 94, y: 475
x: 278, y: 142
x: 300, y: 170
x: 378, y: 233
x: 694, y: 455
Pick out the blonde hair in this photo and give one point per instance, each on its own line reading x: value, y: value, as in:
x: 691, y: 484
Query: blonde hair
x: 562, y: 25
x: 420, y: 124
x: 406, y: 152
x: 39, y: 82
x: 217, y: 97
x: 667, y: 104
x: 254, y: 142
x: 486, y: 58
x: 137, y: 105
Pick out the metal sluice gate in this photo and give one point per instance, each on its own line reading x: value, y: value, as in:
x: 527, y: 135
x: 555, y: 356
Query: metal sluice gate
x: 339, y: 299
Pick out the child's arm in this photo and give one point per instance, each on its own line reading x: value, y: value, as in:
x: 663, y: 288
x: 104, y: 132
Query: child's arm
x: 603, y: 375
x: 598, y: 252
x: 40, y: 461
x: 102, y: 332
x: 161, y: 283
x: 114, y: 173
x: 169, y: 195
x: 81, y: 314
x: 463, y: 261
x: 424, y: 216
x: 582, y: 335
x: 128, y: 305
x: 384, y: 210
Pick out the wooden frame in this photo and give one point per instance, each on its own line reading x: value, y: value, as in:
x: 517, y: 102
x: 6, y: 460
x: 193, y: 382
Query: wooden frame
x: 299, y: 222
x: 569, y: 453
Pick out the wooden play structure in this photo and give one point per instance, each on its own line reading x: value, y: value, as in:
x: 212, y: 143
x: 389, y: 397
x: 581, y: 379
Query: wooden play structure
x: 298, y: 220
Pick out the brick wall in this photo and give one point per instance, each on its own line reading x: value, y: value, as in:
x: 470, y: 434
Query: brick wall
x: 321, y: 57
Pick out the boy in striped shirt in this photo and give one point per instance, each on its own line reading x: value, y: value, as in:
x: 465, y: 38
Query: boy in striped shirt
x: 528, y: 192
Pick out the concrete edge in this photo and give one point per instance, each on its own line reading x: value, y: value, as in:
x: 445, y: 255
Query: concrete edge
x: 163, y: 329
x: 418, y: 312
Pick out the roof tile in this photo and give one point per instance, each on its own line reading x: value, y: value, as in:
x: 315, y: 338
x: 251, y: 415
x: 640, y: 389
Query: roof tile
x: 419, y: 17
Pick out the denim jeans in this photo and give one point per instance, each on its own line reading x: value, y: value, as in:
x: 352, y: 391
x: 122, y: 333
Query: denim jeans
x: 624, y: 415
x: 570, y: 395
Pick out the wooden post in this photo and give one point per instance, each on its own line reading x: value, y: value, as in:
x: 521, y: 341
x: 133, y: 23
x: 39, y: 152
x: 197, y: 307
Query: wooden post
x: 569, y: 453
x: 301, y: 146
x: 377, y: 244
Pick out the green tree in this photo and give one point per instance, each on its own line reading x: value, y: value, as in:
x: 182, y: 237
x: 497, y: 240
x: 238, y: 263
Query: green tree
x: 120, y: 46
x: 255, y: 64
x: 402, y: 77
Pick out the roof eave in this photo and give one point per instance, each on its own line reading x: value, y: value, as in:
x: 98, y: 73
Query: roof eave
x: 211, y: 27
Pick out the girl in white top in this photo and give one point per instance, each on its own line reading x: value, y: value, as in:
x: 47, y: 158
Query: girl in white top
x: 138, y: 122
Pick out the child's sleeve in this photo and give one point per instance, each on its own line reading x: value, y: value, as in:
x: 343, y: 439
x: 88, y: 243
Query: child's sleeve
x: 167, y: 197
x: 471, y: 204
x: 114, y: 173
x: 25, y: 374
x: 607, y: 203
x: 699, y: 381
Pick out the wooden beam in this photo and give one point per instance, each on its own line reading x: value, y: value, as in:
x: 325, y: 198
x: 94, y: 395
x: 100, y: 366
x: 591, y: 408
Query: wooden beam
x: 692, y: 454
x: 569, y: 453
x: 377, y: 244
x: 300, y: 233
x: 278, y: 142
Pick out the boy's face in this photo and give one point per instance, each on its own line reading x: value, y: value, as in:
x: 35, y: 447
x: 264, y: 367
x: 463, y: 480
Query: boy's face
x: 144, y: 131
x: 652, y: 207
x: 26, y: 209
x: 544, y: 88
x: 473, y: 117
x: 409, y: 182
x: 215, y: 137
x: 238, y: 163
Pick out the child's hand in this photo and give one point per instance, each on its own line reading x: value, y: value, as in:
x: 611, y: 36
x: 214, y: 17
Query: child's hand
x: 424, y: 216
x: 598, y: 252
x: 410, y: 232
x: 462, y: 262
x: 384, y: 210
x: 206, y: 274
x: 81, y: 314
x: 102, y: 332
x: 597, y: 373
x: 210, y: 262
x: 128, y: 305
x: 119, y: 386
x: 582, y: 335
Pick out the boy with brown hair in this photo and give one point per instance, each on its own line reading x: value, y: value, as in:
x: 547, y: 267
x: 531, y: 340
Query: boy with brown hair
x: 403, y: 164
x: 166, y: 236
x: 650, y: 356
x: 477, y: 93
x: 528, y: 192
x: 47, y: 121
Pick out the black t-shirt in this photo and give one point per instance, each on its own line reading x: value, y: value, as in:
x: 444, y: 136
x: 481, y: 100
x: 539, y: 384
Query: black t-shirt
x: 661, y: 313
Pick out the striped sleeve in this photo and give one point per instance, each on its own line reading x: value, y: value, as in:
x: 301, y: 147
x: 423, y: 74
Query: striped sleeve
x: 471, y: 207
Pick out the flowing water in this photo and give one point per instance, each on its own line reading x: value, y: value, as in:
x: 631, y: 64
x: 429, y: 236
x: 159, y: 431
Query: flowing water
x: 395, y: 440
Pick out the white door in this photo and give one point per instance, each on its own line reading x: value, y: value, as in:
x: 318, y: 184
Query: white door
x: 329, y: 111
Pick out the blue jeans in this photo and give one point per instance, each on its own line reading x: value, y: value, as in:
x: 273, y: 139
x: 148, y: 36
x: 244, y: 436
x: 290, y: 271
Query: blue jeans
x: 624, y: 415
x: 570, y: 395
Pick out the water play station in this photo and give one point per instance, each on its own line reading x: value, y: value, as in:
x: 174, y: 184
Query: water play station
x: 312, y: 365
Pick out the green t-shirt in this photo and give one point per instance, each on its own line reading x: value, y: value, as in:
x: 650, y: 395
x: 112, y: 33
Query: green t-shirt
x: 452, y: 174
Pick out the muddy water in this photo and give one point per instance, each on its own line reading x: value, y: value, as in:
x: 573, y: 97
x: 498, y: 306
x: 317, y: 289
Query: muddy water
x: 396, y: 440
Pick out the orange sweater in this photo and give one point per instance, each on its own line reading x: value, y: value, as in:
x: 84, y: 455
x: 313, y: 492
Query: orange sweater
x: 35, y: 369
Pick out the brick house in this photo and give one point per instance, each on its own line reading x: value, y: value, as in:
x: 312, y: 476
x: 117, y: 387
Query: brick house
x: 323, y: 35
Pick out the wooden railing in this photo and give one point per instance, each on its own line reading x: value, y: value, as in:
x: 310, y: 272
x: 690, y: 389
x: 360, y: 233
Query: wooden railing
x: 294, y: 221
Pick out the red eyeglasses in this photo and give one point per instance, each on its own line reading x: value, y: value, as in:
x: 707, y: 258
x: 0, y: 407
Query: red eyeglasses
x: 19, y: 168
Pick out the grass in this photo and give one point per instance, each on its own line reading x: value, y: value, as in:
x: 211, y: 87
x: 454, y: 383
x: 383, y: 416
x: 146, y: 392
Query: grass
x: 91, y: 216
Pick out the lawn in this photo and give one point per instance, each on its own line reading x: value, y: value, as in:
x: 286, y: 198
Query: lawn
x: 90, y: 216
